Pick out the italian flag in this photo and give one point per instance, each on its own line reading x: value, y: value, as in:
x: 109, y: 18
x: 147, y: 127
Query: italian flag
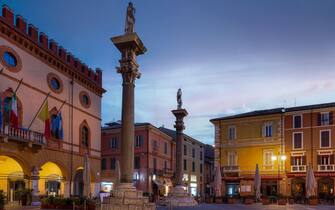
x: 13, y: 118
x: 44, y: 116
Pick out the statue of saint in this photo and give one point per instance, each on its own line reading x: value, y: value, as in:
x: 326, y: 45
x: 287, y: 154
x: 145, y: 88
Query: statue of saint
x: 130, y: 19
x: 179, y: 101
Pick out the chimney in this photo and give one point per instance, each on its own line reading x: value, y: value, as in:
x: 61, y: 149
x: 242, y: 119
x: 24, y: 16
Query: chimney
x: 21, y: 24
x: 8, y: 14
x: 33, y: 33
x: 43, y: 40
x: 53, y: 47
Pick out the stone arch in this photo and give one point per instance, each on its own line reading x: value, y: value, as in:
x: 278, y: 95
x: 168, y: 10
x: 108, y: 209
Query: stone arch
x: 54, y: 157
x: 9, y: 93
x: 26, y: 167
x: 51, y: 180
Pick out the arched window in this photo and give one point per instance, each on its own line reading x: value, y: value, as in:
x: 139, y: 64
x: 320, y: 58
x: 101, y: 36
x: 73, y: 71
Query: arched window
x: 85, y: 136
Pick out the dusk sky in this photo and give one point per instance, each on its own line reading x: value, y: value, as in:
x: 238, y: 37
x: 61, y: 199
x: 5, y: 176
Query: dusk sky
x: 228, y: 56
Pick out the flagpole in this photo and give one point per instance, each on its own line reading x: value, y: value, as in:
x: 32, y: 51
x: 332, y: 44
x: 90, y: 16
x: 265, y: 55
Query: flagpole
x: 18, y: 86
x: 38, y: 110
x: 60, y: 108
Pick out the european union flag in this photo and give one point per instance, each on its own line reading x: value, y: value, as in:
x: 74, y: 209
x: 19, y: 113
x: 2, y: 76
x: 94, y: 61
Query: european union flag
x: 57, y: 126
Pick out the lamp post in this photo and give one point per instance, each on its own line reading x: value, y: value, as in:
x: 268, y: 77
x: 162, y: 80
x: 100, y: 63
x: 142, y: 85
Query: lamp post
x: 280, y: 159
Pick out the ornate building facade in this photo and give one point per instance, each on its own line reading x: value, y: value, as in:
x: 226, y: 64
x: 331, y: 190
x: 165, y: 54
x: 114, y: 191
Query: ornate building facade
x: 37, y: 71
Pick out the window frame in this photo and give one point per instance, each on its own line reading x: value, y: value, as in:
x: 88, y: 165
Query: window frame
x: 229, y: 133
x: 322, y: 121
x: 302, y: 141
x: 50, y: 77
x: 269, y: 162
x: 330, y: 140
x: 13, y: 69
x: 301, y: 120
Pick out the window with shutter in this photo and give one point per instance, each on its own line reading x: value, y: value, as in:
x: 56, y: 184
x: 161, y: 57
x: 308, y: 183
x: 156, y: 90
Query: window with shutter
x: 297, y: 141
x: 325, y: 139
x: 297, y: 121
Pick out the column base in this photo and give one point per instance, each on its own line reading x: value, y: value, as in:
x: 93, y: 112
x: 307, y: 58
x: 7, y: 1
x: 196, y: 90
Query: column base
x: 126, y: 197
x: 179, y: 197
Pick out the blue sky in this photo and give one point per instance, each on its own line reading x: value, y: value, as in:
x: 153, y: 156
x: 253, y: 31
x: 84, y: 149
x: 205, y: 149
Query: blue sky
x: 228, y: 56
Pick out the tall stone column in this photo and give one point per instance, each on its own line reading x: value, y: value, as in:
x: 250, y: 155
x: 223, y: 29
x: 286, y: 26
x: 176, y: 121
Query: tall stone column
x: 35, y: 176
x: 178, y: 195
x: 130, y: 45
x: 179, y: 125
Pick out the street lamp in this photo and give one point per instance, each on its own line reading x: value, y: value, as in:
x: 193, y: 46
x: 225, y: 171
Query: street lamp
x: 281, y: 159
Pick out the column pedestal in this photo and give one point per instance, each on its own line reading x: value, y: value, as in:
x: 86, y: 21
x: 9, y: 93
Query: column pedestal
x: 179, y: 197
x: 35, y: 194
x: 126, y: 197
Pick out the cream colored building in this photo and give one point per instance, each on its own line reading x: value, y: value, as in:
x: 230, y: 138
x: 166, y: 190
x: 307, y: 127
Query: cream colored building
x: 45, y: 68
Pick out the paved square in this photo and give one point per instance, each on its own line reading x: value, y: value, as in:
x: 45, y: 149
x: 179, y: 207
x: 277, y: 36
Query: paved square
x: 251, y: 207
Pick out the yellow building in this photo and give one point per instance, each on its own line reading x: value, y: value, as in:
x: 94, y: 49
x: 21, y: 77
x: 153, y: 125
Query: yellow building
x: 244, y: 140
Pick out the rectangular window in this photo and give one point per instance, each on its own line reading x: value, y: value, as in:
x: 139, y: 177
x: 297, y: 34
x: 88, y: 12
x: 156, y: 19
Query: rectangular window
x: 324, y: 159
x: 138, y: 141
x: 185, y: 165
x: 185, y: 177
x: 325, y: 138
x: 103, y: 164
x: 297, y: 121
x: 231, y: 133
x: 324, y: 118
x: 185, y: 149
x: 298, y: 160
x: 193, y: 166
x: 165, y: 148
x: 200, y: 167
x: 232, y: 159
x: 137, y: 162
x: 268, y: 158
x: 165, y: 164
x: 268, y: 130
x: 113, y: 163
x: 193, y: 153
x: 297, y: 141
x: 200, y: 155
x: 113, y: 143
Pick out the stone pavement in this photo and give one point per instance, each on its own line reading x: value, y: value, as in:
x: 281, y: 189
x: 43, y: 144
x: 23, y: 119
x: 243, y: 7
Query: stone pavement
x: 251, y: 207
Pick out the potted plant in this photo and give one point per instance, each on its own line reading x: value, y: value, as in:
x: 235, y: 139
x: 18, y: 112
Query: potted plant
x: 313, y: 200
x: 232, y: 200
x: 265, y: 200
x: 2, y: 200
x: 249, y: 199
x: 282, y: 199
x: 218, y: 200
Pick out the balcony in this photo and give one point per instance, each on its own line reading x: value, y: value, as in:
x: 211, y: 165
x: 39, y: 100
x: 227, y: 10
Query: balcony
x: 21, y: 135
x: 229, y: 169
x: 325, y: 168
x: 298, y: 168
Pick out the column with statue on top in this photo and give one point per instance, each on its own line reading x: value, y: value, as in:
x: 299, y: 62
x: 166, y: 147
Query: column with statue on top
x: 126, y: 196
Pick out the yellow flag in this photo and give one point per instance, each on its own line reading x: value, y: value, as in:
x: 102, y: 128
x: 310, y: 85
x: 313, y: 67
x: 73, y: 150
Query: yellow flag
x: 44, y: 113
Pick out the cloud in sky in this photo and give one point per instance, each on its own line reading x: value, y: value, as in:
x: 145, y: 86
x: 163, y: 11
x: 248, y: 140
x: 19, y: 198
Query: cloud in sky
x: 227, y: 56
